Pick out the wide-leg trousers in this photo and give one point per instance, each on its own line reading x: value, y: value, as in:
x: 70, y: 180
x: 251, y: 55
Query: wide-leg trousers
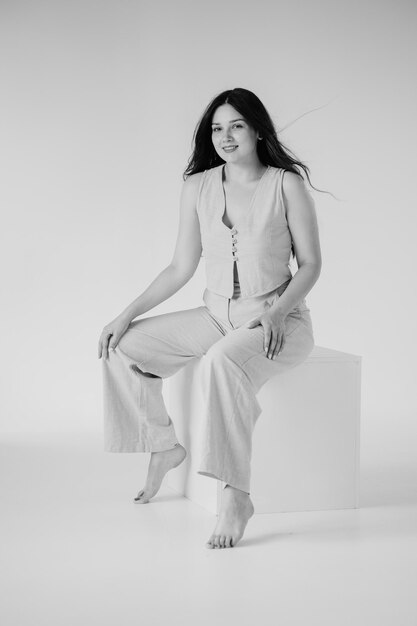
x: 234, y: 367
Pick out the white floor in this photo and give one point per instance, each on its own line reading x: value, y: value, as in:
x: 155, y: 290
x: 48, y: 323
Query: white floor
x: 77, y: 551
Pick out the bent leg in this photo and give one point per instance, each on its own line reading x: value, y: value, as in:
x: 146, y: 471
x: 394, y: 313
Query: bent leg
x: 152, y: 348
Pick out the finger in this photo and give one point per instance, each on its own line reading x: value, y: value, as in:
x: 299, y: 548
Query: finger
x: 280, y: 344
x: 274, y: 347
x: 106, y: 346
x: 267, y: 338
x: 101, y: 346
x: 272, y: 344
x: 113, y: 343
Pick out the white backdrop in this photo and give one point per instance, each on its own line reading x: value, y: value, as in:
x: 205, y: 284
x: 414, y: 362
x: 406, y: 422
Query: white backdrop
x: 100, y: 100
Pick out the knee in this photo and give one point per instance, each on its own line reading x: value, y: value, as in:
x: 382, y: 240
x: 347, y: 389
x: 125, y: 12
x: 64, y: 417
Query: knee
x: 131, y: 345
x: 218, y: 356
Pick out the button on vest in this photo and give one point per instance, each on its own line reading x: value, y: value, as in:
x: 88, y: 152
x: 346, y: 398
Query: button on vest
x: 260, y: 244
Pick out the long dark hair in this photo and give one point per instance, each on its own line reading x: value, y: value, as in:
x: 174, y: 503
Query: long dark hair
x: 271, y: 151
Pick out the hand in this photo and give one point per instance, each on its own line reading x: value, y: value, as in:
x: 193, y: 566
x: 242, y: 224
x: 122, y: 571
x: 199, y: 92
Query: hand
x: 111, y: 335
x: 274, y: 327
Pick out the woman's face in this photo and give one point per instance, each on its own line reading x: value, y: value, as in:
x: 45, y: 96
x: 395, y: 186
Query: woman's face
x: 229, y: 129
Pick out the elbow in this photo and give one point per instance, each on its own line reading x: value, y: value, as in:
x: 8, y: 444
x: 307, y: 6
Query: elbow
x: 316, y: 270
x: 314, y: 267
x: 182, y: 274
x: 317, y: 267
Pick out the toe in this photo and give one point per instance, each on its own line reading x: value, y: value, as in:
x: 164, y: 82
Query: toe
x: 222, y: 541
x: 142, y: 498
x: 140, y: 494
x: 228, y: 543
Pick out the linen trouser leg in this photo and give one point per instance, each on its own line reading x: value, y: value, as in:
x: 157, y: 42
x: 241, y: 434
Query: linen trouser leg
x: 152, y: 348
x: 233, y: 371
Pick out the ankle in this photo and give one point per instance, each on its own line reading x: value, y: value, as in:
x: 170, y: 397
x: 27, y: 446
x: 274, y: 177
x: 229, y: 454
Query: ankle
x: 235, y: 490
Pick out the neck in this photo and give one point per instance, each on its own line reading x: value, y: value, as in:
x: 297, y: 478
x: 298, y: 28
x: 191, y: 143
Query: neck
x: 244, y: 172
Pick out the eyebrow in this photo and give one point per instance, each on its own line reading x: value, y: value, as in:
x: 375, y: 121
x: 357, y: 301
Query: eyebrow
x: 239, y: 119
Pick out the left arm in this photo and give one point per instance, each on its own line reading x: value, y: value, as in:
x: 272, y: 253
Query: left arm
x: 302, y: 222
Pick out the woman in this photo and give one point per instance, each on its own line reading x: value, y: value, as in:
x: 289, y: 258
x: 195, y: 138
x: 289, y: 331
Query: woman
x: 247, y: 218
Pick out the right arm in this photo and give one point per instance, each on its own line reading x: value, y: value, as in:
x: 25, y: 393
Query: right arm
x: 183, y: 265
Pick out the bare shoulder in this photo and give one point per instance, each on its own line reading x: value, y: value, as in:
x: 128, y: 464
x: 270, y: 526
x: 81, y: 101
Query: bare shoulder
x: 190, y: 189
x: 293, y: 183
x: 295, y: 191
x: 193, y: 180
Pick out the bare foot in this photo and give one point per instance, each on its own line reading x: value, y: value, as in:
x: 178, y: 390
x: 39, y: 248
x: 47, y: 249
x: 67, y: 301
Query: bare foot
x: 235, y: 510
x: 159, y: 465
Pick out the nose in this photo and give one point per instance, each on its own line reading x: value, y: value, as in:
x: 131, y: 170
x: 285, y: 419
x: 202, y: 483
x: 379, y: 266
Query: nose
x: 227, y: 136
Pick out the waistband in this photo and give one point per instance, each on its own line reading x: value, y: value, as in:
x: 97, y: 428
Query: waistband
x: 279, y: 290
x: 219, y: 302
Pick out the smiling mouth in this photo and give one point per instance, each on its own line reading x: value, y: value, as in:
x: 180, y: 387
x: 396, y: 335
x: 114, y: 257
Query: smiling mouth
x: 229, y: 148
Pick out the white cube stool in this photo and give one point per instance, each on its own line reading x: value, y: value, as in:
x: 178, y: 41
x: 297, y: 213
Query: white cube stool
x: 305, y: 454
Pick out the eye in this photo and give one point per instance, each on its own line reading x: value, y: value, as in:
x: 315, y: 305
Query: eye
x: 218, y: 127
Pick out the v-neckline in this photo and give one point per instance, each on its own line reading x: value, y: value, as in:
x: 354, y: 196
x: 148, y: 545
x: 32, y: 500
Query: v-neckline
x: 223, y: 211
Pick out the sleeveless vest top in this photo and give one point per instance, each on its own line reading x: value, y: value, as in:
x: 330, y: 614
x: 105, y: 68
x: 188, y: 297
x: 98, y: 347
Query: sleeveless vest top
x: 259, y: 244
